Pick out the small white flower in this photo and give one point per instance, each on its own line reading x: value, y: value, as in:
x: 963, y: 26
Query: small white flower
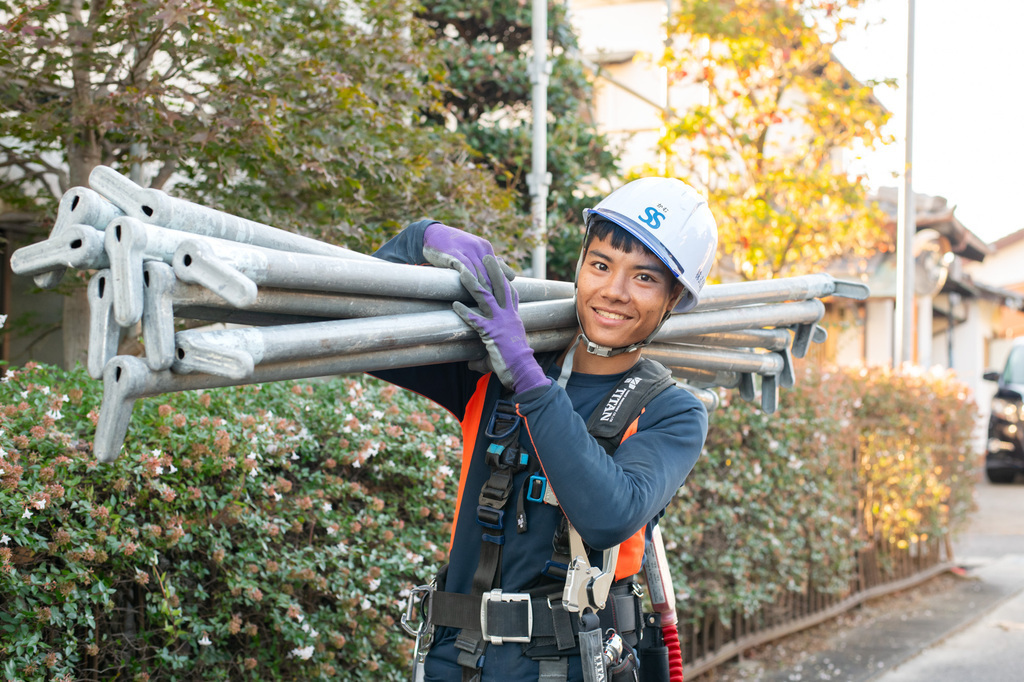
x: 40, y: 504
x: 159, y: 470
x: 328, y: 506
x: 173, y: 468
x: 305, y: 653
x: 54, y: 414
x: 4, y: 539
x: 252, y: 455
x: 374, y: 584
x: 45, y: 390
x: 27, y: 514
x: 24, y: 394
x: 254, y: 472
x: 3, y: 320
x: 365, y: 605
x: 331, y: 530
x: 205, y: 640
x: 277, y: 497
x: 295, y: 456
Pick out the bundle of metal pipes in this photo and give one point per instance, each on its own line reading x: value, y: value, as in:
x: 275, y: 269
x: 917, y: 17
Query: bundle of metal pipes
x: 311, y: 309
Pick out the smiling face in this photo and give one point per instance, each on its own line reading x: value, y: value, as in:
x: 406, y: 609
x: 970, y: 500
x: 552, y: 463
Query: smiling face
x: 622, y: 296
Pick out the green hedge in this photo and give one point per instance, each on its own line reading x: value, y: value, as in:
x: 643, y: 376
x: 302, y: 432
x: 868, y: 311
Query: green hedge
x: 854, y: 459
x: 262, y: 532
x: 272, y: 532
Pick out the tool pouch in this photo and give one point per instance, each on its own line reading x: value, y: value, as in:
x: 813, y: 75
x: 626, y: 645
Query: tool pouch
x: 625, y: 671
x: 652, y: 650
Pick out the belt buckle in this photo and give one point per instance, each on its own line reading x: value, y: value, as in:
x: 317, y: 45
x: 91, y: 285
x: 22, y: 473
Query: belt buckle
x: 497, y: 595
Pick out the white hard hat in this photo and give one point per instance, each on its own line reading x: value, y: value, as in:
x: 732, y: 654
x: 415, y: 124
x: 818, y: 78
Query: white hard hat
x: 672, y: 220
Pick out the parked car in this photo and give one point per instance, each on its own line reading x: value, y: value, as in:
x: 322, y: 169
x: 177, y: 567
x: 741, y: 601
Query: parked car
x: 1004, y: 458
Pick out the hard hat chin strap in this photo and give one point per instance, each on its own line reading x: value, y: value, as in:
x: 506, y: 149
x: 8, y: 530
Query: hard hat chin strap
x: 607, y: 351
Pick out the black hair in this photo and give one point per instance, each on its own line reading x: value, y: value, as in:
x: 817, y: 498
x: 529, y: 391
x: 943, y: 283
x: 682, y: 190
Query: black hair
x: 621, y: 239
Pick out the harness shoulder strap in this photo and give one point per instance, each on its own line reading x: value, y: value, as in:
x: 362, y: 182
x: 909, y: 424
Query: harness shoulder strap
x: 624, y: 403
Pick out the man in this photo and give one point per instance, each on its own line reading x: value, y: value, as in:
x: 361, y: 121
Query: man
x: 541, y: 502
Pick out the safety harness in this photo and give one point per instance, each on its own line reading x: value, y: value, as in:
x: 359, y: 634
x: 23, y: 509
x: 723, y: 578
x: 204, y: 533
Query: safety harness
x: 549, y: 623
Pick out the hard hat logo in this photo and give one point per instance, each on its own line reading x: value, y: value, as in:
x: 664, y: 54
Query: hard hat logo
x: 653, y: 219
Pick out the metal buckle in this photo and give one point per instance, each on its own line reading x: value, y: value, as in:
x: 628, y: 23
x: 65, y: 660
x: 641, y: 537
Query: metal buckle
x: 498, y: 596
x: 410, y: 605
x: 503, y: 425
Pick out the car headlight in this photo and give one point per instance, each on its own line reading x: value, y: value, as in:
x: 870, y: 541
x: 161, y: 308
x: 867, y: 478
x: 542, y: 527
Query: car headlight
x: 1007, y: 409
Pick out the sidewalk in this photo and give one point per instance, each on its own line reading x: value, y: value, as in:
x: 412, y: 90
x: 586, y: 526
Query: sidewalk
x: 872, y: 650
x: 953, y: 628
x: 988, y: 649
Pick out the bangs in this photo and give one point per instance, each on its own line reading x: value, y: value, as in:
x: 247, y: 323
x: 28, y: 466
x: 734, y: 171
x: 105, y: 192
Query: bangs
x: 619, y: 238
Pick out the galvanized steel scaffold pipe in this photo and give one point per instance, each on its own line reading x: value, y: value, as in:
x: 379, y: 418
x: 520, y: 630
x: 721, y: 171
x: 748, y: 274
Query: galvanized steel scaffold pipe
x: 299, y: 308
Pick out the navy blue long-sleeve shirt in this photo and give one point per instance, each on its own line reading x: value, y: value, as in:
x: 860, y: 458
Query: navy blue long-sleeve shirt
x: 606, y: 498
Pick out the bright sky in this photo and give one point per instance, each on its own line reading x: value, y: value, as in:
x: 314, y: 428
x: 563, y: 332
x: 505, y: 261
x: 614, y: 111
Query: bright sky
x: 968, y: 105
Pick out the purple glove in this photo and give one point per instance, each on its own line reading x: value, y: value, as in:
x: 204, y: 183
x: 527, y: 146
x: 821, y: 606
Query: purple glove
x: 446, y: 247
x: 500, y: 328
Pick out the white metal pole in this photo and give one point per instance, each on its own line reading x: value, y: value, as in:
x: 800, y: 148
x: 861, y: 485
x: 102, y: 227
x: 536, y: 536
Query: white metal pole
x: 906, y: 222
x: 539, y: 179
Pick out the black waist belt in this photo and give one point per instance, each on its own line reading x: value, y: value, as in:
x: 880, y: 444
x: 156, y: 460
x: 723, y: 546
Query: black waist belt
x: 520, y: 617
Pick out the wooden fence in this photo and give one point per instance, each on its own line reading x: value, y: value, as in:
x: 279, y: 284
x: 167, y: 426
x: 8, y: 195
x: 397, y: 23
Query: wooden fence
x: 708, y: 643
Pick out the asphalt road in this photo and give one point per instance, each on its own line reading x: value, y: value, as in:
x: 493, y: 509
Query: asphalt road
x: 997, y: 525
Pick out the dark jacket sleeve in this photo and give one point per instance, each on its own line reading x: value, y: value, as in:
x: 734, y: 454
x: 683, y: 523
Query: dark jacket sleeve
x: 607, y: 498
x: 449, y: 385
x: 407, y: 245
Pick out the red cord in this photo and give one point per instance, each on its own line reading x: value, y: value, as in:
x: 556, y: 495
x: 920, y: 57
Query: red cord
x: 675, y: 654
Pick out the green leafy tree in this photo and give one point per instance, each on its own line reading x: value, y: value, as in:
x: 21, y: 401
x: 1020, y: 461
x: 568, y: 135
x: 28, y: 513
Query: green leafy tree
x: 774, y: 108
x: 307, y: 115
x: 304, y: 114
x: 487, y: 48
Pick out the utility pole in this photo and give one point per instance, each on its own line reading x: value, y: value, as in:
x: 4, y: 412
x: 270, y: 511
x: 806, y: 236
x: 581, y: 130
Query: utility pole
x: 539, y: 180
x: 906, y: 221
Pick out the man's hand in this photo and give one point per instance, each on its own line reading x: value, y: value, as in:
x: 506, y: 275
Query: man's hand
x: 446, y: 247
x: 500, y: 327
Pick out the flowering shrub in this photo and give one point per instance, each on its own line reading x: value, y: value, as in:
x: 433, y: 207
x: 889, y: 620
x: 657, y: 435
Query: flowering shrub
x: 261, y: 532
x: 853, y: 459
x: 273, y: 532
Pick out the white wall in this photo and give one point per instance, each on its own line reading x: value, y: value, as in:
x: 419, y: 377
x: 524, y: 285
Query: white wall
x: 1001, y: 269
x: 624, y: 28
x: 879, y: 323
